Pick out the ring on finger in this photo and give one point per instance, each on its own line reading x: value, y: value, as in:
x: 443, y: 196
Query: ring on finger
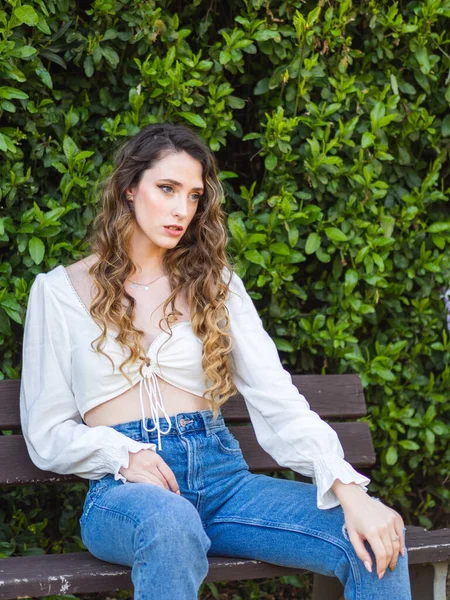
x: 395, y: 539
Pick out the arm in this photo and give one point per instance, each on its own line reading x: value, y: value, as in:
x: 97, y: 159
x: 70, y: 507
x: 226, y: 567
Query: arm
x: 57, y: 440
x: 285, y: 426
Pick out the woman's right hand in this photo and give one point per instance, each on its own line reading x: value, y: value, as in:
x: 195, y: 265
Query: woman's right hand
x: 146, y: 466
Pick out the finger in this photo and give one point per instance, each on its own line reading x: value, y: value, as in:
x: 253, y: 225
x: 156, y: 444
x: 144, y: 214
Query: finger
x: 158, y: 476
x: 387, y: 537
x: 379, y: 551
x: 399, y: 526
x: 148, y: 478
x: 361, y: 551
x: 402, y: 541
x: 169, y: 476
x: 397, y: 545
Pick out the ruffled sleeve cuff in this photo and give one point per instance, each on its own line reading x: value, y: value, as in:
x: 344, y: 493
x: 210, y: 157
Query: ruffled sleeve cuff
x: 328, y: 468
x: 119, y: 457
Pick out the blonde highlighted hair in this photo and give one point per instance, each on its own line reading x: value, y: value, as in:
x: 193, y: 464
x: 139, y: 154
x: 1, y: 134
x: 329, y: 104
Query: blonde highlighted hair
x: 194, y: 266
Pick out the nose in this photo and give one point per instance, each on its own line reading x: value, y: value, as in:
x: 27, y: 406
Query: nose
x: 181, y: 207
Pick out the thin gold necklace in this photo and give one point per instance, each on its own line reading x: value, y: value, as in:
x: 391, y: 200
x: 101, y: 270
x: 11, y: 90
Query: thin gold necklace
x: 144, y: 285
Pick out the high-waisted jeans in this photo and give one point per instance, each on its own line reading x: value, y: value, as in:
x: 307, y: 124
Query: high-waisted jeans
x: 223, y: 510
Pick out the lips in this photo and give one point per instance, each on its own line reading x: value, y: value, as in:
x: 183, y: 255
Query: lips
x: 174, y: 227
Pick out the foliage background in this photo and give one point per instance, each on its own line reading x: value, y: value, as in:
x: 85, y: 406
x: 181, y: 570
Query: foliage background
x: 331, y: 125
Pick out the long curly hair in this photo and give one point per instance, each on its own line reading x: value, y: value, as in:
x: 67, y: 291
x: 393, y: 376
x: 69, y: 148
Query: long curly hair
x: 195, y: 265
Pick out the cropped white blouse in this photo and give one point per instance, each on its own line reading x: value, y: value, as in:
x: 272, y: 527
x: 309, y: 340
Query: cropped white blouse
x: 63, y: 378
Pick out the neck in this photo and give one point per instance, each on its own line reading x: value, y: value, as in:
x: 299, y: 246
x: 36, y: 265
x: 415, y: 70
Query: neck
x: 147, y: 258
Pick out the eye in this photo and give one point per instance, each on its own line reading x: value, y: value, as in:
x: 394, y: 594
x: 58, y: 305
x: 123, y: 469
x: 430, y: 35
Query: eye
x: 198, y: 196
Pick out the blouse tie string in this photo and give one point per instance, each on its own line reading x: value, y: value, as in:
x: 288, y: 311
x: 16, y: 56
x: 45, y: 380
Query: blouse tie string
x: 151, y: 384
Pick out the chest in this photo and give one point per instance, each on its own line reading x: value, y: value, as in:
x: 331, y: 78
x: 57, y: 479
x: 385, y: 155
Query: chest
x: 149, y: 310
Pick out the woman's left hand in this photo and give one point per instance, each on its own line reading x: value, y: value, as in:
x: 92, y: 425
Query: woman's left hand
x: 371, y: 520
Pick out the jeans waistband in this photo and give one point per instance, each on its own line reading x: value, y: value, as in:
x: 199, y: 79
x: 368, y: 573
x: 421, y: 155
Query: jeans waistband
x: 200, y: 420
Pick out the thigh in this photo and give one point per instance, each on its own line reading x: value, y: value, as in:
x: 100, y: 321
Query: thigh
x: 277, y: 520
x: 119, y: 517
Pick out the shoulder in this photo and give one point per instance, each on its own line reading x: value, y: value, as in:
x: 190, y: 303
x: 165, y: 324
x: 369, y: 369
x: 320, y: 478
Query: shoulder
x: 79, y: 271
x: 54, y: 286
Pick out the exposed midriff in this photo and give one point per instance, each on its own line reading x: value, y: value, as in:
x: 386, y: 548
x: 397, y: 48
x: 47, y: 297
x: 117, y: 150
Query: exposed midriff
x: 126, y: 407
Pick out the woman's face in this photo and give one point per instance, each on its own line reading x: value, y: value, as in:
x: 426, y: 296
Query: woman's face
x: 168, y: 194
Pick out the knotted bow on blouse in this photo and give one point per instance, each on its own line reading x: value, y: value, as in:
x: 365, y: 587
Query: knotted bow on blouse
x: 151, y: 384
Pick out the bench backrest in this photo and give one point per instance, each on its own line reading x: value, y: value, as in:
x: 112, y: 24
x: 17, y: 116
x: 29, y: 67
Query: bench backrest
x: 335, y: 398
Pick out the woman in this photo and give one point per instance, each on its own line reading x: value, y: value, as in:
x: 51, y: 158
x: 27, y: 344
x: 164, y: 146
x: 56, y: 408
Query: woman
x: 121, y: 391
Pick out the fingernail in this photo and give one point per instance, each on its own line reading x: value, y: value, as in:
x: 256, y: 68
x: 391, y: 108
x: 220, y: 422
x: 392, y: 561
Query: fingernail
x: 381, y: 574
x: 368, y: 566
x: 402, y: 552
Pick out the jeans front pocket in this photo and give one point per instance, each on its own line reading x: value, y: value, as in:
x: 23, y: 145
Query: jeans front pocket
x: 226, y: 440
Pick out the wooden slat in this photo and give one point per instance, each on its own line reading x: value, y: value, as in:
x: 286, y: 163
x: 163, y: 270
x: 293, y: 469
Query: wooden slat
x: 332, y: 396
x: 17, y: 468
x: 426, y: 547
x: 80, y: 572
x: 58, y: 574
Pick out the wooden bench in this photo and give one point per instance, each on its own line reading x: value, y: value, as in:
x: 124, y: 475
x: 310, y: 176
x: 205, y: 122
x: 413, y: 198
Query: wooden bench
x: 335, y: 397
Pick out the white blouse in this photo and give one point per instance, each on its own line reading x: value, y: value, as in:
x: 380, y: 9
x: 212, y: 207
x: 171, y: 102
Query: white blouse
x: 63, y: 378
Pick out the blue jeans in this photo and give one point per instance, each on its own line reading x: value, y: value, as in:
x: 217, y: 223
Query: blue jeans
x: 223, y: 510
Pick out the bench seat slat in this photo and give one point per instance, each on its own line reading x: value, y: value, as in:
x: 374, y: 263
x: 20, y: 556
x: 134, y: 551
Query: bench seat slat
x: 332, y: 396
x: 80, y: 572
x: 16, y: 466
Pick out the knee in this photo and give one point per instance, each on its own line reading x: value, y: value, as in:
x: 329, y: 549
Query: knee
x: 175, y: 531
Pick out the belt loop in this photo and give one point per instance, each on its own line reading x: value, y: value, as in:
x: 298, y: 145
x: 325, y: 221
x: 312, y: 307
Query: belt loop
x: 145, y: 437
x: 209, y: 421
x: 206, y: 421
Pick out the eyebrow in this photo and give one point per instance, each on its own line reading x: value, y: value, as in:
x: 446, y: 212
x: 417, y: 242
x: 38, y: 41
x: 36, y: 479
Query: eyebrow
x: 197, y: 189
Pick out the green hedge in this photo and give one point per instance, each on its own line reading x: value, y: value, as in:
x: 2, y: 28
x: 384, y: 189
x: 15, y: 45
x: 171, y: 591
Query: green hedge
x: 331, y: 125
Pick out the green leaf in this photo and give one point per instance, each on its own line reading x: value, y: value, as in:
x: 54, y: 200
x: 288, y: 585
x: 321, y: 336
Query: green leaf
x: 376, y: 114
x: 421, y: 55
x: 367, y: 139
x: 26, y: 14
x: 270, y: 162
x: 439, y: 227
x: 237, y: 228
x: 111, y: 56
x: 37, y: 249
x: 445, y: 127
x: 391, y: 456
x: 262, y: 35
x: 283, y: 345
x: 196, y: 120
x: 351, y: 280
x: 409, y: 445
x: 335, y: 234
x: 23, y: 51
x: 293, y: 237
x: 382, y: 372
x: 255, y: 257
x: 323, y: 256
x: 394, y: 84
x: 84, y: 154
x: 312, y: 243
x: 69, y: 147
x: 280, y: 248
x: 10, y: 93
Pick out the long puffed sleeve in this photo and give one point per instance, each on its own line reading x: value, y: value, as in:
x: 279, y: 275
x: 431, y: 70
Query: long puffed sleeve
x: 55, y: 435
x: 285, y: 426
